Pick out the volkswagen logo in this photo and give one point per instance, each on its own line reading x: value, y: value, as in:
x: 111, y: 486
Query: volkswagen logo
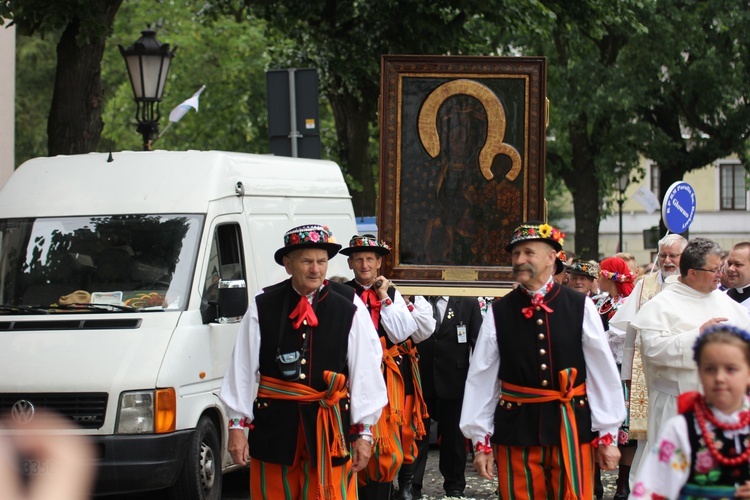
x: 22, y: 411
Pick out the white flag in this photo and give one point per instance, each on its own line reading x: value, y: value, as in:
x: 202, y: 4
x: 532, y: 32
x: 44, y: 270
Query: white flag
x: 180, y: 111
x: 647, y: 199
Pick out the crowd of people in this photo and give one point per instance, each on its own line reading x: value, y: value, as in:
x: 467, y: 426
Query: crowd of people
x: 584, y: 366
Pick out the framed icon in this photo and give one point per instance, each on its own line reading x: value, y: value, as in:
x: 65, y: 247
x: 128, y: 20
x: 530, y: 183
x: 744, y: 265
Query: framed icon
x: 462, y: 145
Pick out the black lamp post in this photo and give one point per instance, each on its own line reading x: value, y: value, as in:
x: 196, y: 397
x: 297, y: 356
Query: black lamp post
x: 622, y: 184
x: 148, y: 62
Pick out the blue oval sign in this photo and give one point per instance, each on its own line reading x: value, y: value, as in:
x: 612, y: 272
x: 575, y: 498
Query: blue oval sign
x: 678, y: 207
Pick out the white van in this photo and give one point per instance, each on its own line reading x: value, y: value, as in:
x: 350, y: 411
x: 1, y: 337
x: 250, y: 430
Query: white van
x: 119, y: 287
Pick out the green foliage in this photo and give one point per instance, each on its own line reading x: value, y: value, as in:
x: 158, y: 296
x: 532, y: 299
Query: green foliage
x: 217, y: 51
x: 35, y: 72
x: 44, y: 17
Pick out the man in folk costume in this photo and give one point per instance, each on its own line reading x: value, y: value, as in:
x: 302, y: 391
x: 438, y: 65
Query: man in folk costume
x: 400, y: 425
x: 543, y: 394
x: 581, y: 275
x: 669, y: 324
x: 315, y: 358
x: 670, y: 251
x: 738, y: 274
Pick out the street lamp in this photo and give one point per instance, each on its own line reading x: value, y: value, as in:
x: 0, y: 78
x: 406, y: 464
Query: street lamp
x: 148, y: 62
x: 622, y: 184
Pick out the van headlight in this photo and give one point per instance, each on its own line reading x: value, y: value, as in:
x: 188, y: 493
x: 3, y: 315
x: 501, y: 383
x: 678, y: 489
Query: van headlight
x: 151, y: 411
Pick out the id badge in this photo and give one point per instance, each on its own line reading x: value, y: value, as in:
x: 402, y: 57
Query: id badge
x: 461, y: 333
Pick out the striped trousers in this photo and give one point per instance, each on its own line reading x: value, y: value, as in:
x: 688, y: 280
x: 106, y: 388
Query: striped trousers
x: 538, y: 472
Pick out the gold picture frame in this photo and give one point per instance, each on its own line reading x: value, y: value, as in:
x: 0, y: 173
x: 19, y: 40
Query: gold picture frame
x: 462, y: 145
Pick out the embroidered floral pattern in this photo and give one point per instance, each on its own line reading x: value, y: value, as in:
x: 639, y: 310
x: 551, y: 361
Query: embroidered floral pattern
x: 308, y: 234
x: 666, y: 448
x: 367, y: 241
x: 534, y: 232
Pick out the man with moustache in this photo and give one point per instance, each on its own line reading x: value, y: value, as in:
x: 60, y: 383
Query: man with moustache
x: 737, y: 270
x: 543, y: 393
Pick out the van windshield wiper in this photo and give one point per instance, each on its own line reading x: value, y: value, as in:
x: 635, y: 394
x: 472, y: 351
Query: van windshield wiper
x: 94, y: 307
x: 23, y: 309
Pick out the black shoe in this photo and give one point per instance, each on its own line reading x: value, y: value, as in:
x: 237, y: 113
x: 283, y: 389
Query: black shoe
x: 454, y: 493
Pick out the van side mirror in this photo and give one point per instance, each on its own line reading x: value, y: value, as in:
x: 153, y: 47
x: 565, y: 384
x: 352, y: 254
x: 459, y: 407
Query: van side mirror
x: 232, y: 301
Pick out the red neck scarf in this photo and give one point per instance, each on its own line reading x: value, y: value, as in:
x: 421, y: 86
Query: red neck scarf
x: 373, y: 305
x: 303, y: 313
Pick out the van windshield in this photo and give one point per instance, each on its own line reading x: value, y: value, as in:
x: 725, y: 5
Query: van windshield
x: 97, y: 263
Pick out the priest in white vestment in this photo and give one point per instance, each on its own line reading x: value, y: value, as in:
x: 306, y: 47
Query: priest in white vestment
x: 670, y: 322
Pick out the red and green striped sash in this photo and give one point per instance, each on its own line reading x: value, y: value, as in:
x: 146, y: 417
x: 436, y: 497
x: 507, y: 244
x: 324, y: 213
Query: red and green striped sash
x: 331, y: 441
x: 568, y: 429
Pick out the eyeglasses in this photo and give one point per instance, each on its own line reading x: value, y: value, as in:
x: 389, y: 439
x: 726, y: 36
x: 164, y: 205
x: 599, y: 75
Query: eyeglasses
x: 713, y: 271
x: 672, y: 256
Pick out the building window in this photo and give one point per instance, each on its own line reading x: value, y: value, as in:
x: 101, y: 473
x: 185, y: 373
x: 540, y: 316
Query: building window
x: 732, y: 186
x: 654, y: 177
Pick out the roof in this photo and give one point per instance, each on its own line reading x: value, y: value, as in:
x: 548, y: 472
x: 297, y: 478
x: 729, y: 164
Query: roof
x: 159, y: 182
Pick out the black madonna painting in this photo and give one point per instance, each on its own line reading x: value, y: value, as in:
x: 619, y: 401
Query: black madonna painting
x: 461, y: 164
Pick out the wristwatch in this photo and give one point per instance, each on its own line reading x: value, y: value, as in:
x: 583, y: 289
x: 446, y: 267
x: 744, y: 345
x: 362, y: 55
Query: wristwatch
x: 367, y: 437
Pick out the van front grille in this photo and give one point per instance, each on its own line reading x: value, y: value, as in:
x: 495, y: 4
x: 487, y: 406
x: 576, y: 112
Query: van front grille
x: 86, y: 410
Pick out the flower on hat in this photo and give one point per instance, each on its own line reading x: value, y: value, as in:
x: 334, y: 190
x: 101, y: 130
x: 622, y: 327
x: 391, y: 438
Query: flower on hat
x: 545, y: 230
x: 556, y: 235
x: 294, y: 238
x: 314, y: 237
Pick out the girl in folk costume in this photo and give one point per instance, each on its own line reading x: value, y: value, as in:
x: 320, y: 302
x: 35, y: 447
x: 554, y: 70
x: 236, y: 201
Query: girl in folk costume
x: 704, y: 451
x: 617, y: 280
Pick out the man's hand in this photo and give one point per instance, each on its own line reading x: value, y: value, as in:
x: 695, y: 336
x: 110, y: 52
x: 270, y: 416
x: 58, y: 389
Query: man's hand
x: 484, y: 463
x: 608, y: 456
x: 712, y: 322
x: 237, y: 447
x: 361, y: 452
x: 382, y: 289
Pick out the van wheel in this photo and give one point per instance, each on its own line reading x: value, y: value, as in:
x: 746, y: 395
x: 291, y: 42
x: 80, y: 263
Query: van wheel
x: 200, y: 478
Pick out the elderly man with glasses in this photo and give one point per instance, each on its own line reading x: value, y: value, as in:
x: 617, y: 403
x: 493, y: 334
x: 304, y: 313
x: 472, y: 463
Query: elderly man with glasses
x: 670, y: 322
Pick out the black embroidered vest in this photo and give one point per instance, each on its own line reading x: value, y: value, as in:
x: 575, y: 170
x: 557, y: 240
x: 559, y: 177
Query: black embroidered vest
x: 274, y: 433
x: 532, y: 353
x: 718, y: 474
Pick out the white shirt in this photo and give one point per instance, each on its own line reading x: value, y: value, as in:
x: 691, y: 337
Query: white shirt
x: 396, y: 319
x: 483, y: 387
x: 422, y: 314
x: 366, y: 384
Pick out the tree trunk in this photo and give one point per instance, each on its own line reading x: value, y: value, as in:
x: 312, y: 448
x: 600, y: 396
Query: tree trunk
x: 582, y: 182
x: 75, y: 122
x: 353, y: 133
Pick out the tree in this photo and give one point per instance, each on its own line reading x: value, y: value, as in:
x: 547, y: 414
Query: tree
x: 344, y: 41
x: 74, y: 124
x: 591, y: 130
x: 224, y: 53
x: 693, y: 69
